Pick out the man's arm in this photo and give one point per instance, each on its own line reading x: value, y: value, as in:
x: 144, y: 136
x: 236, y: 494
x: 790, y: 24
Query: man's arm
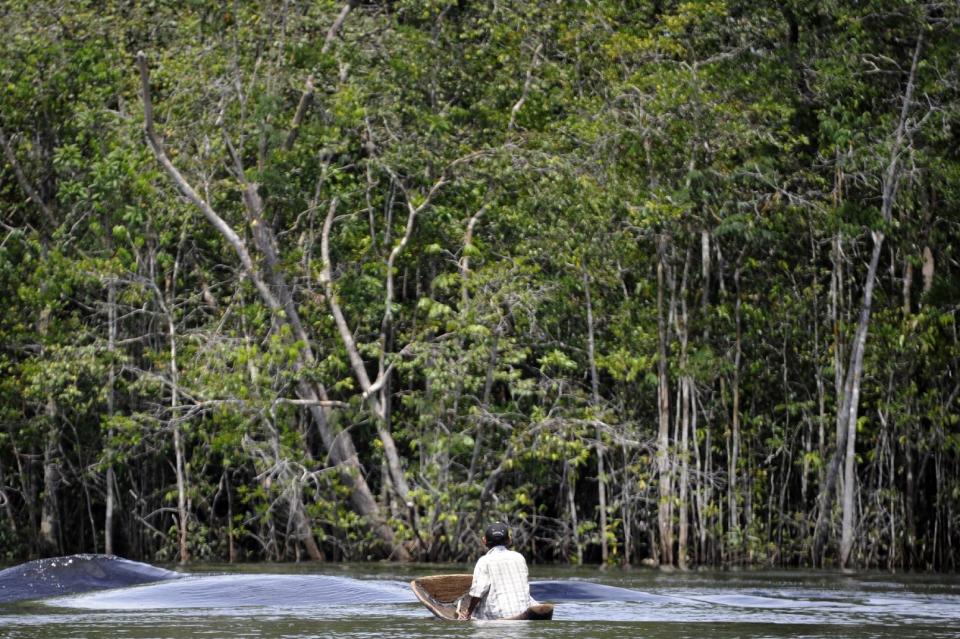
x: 471, y: 606
x: 478, y: 589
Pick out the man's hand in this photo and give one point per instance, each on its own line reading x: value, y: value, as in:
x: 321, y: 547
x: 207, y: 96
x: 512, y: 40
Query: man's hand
x: 466, y: 612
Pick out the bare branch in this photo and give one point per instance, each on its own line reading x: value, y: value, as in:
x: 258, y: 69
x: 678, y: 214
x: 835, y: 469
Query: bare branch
x: 305, y: 100
x: 310, y: 402
x: 334, y: 30
x: 468, y: 240
x: 356, y: 362
x: 890, y: 179
x: 526, y: 86
x: 191, y: 194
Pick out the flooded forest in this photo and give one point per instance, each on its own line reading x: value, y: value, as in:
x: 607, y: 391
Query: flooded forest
x: 655, y: 282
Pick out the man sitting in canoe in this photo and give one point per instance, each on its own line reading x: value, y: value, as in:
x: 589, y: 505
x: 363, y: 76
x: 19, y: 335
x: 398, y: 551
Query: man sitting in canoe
x: 500, y: 589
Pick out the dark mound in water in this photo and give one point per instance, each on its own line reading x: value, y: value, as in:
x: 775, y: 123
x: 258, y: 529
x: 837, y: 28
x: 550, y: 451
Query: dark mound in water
x: 240, y: 590
x: 73, y: 574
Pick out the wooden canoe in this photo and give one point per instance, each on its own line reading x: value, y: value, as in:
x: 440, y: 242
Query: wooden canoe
x: 440, y: 594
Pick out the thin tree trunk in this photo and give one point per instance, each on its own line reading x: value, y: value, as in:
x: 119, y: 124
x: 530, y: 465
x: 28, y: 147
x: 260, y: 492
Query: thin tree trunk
x: 928, y: 269
x: 50, y: 505
x: 182, y: 514
x: 685, y: 384
x: 684, y: 409
x: 595, y: 400
x: 848, y: 411
x: 602, y: 498
x: 110, y: 479
x: 847, y: 423
x: 907, y: 285
x: 705, y: 265
x: 818, y: 376
x: 626, y: 510
x: 909, y: 494
x: 572, y: 507
x: 702, y: 492
x: 304, y: 533
x: 231, y: 544
x: 734, y: 459
x: 526, y: 87
x: 664, y: 523
x: 49, y: 533
x: 5, y: 501
x: 839, y: 368
x: 467, y: 249
x: 484, y: 405
x: 337, y: 25
x: 306, y: 99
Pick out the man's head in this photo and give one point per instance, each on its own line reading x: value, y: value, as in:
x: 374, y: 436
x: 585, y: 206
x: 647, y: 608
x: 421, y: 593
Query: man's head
x: 496, y: 534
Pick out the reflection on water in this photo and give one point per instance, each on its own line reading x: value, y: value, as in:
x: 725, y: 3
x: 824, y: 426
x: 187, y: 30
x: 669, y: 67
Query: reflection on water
x: 501, y: 629
x: 324, y: 600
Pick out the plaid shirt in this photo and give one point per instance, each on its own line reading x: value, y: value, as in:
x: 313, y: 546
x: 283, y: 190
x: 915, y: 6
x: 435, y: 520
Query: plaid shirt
x: 500, y: 581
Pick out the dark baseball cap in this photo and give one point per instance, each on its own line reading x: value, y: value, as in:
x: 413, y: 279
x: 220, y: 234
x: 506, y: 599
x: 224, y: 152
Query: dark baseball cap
x: 497, y: 534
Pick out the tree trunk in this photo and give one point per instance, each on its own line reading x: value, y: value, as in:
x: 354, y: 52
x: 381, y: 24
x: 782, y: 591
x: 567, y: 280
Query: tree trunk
x: 595, y: 400
x: 684, y: 408
x: 5, y: 502
x: 839, y: 346
x: 110, y: 479
x: 705, y: 265
x: 231, y: 545
x: 818, y: 376
x: 664, y: 523
x: 909, y: 493
x: 304, y: 531
x: 50, y: 545
x: 928, y: 269
x: 48, y: 538
x: 626, y: 508
x: 182, y: 514
x: 847, y: 426
x: 734, y: 459
x: 847, y: 413
x: 572, y: 507
x: 484, y: 404
x: 907, y: 286
x: 685, y: 383
x: 702, y: 493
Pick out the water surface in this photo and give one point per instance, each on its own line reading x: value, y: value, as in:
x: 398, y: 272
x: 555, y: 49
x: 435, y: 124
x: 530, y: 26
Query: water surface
x: 373, y: 600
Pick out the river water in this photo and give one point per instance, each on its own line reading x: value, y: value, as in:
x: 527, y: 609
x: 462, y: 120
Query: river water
x: 64, y: 600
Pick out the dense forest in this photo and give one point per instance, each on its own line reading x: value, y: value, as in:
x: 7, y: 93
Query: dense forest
x: 657, y: 282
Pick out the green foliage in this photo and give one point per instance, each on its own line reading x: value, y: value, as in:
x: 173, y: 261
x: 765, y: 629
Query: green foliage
x: 726, y: 158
